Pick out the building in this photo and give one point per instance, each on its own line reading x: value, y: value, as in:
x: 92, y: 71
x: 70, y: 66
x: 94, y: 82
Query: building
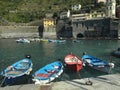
x: 76, y: 7
x: 98, y: 1
x: 49, y: 28
x: 111, y: 8
x: 87, y: 16
x: 118, y: 11
x: 99, y: 28
x: 65, y: 14
x: 48, y: 22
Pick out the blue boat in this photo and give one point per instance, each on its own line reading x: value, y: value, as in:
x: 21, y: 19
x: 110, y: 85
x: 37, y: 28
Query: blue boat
x: 57, y: 41
x: 13, y: 73
x: 48, y: 73
x: 97, y: 63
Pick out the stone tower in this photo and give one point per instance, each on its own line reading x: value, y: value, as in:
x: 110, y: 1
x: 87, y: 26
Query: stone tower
x: 111, y: 8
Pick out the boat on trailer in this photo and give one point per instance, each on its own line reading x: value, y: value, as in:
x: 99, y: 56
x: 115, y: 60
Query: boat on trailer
x: 48, y: 73
x: 17, y: 71
x: 73, y: 62
x: 98, y: 64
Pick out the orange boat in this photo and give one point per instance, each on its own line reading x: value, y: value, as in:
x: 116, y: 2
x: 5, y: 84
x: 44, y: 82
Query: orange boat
x: 73, y: 62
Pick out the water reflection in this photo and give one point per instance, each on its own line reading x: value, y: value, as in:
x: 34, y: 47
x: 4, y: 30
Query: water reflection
x: 44, y: 52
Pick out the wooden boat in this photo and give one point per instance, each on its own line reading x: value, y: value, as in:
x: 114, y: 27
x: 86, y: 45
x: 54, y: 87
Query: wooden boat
x: 22, y: 40
x: 48, y: 73
x: 116, y: 53
x: 73, y: 62
x: 57, y: 41
x: 97, y: 63
x: 13, y: 73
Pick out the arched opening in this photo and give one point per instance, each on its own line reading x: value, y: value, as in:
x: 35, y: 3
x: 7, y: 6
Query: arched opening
x: 80, y: 35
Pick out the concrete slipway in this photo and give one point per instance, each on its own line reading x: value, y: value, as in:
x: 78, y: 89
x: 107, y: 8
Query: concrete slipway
x: 105, y: 82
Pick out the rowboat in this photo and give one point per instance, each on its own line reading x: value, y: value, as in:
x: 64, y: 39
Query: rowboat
x: 48, y: 73
x: 73, y: 62
x: 22, y: 40
x: 98, y: 64
x: 13, y: 73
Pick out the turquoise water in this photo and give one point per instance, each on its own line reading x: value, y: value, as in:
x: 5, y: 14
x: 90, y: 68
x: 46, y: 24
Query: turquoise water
x: 43, y: 53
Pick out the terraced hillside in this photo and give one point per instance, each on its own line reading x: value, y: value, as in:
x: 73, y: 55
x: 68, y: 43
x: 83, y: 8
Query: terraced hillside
x: 24, y: 11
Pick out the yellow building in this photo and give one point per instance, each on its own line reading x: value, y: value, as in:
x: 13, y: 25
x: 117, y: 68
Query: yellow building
x: 49, y: 28
x: 96, y: 14
x: 48, y: 22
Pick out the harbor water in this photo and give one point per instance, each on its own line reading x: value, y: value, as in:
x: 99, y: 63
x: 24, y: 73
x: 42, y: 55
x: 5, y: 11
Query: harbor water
x: 43, y: 53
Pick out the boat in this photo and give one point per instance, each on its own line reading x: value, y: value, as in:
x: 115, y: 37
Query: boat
x: 43, y: 40
x: 76, y: 41
x: 73, y: 62
x: 116, y: 53
x: 48, y: 73
x: 57, y: 41
x: 98, y: 64
x: 22, y: 40
x: 15, y: 72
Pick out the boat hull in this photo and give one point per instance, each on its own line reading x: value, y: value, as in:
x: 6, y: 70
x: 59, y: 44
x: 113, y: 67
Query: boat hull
x: 14, y: 73
x: 73, y: 62
x: 22, y: 41
x: 104, y: 69
x: 48, y: 73
x: 116, y: 54
x: 98, y: 64
x: 16, y: 81
x: 75, y: 67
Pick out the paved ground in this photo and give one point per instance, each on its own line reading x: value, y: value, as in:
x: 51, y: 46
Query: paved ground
x: 106, y: 82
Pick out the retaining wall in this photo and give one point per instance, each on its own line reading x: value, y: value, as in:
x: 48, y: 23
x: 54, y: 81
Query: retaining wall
x: 18, y: 31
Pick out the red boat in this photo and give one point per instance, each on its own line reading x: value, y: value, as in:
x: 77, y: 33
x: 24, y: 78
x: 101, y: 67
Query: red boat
x: 73, y: 62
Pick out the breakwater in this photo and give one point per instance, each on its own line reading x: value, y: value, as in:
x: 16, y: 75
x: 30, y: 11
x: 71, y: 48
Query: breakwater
x: 18, y: 31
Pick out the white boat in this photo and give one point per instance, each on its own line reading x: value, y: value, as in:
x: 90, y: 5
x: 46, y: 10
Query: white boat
x: 22, y: 40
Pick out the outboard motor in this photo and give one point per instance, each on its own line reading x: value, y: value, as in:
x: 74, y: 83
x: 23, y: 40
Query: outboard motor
x: 28, y: 56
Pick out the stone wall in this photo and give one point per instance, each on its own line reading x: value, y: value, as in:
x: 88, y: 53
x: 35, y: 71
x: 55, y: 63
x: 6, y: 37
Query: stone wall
x: 105, y: 27
x: 18, y: 31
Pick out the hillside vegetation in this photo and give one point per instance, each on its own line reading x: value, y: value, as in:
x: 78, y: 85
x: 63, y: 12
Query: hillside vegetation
x: 24, y: 11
